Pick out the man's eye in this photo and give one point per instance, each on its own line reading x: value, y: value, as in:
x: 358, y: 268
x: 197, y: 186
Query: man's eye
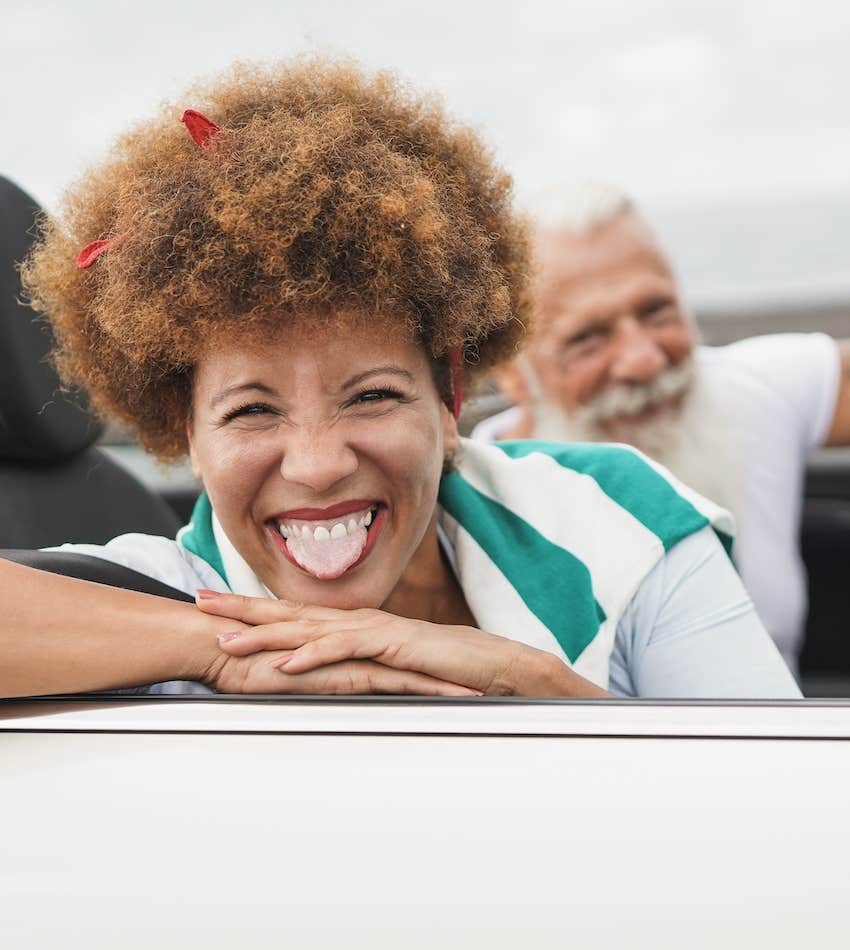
x: 661, y: 313
x: 583, y: 341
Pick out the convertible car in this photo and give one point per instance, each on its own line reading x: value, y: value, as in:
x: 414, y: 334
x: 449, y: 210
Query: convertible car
x: 431, y: 823
x: 390, y: 822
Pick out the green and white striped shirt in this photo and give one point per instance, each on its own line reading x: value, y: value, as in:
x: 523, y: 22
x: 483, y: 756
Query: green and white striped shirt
x: 588, y: 551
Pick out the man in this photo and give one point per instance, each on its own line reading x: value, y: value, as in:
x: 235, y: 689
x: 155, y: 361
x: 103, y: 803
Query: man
x: 614, y: 358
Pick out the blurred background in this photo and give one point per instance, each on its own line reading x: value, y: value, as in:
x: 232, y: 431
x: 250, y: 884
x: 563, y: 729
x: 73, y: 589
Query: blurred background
x: 726, y: 120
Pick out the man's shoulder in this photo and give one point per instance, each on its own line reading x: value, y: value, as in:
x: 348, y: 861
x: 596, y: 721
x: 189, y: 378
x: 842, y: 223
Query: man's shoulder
x: 769, y: 355
x: 785, y: 380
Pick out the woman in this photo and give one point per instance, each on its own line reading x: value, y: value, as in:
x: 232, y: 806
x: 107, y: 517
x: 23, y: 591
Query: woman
x: 294, y: 291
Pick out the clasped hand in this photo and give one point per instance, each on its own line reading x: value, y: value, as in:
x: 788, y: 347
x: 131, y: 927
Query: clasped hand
x: 297, y: 648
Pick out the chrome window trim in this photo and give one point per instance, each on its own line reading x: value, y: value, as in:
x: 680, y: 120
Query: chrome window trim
x: 376, y: 716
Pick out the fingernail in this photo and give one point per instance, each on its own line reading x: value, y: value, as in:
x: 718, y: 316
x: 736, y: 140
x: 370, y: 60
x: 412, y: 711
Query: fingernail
x: 230, y: 635
x: 282, y: 662
x: 203, y: 594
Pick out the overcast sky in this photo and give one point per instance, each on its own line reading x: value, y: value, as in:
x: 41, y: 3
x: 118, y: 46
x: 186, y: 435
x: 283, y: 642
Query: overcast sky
x: 688, y: 104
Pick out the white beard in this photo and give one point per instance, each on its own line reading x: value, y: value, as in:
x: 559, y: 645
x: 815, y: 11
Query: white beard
x: 694, y: 441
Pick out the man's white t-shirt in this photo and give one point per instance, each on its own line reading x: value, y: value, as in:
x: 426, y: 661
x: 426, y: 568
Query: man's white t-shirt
x: 760, y: 406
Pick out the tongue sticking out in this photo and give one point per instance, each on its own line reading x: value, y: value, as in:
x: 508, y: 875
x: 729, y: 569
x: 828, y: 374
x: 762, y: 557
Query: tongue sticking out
x: 330, y: 558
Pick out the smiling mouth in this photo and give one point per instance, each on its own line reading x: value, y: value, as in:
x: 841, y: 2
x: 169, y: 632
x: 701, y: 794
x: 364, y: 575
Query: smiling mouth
x: 646, y: 413
x: 326, y: 548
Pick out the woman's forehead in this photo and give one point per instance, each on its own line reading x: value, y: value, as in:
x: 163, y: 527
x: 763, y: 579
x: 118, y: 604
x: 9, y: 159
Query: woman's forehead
x: 264, y: 331
x: 333, y: 347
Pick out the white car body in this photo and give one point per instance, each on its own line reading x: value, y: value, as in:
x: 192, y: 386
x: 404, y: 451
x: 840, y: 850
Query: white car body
x: 405, y: 824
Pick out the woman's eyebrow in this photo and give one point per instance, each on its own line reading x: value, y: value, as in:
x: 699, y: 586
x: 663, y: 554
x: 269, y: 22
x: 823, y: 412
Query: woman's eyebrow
x: 223, y: 394
x: 376, y: 371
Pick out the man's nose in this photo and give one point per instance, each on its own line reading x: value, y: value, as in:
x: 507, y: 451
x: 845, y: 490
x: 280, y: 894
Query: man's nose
x: 637, y: 356
x: 317, y: 458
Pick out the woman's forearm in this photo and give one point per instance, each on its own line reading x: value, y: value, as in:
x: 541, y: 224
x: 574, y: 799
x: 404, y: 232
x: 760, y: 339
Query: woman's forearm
x: 63, y: 635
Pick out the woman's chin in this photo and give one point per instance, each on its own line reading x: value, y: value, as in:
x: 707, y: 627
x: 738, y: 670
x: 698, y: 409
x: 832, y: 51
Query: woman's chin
x: 342, y: 593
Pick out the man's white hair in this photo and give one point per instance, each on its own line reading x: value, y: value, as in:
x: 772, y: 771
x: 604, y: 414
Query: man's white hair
x: 578, y: 207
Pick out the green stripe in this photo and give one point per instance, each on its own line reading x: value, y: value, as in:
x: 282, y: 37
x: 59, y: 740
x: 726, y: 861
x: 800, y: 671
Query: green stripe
x: 198, y: 536
x: 535, y: 567
x: 626, y: 479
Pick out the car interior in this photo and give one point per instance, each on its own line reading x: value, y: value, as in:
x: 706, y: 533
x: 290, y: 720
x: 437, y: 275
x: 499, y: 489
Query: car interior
x: 58, y: 483
x: 55, y: 483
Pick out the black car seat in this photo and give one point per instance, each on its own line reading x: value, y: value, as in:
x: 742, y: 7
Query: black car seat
x: 55, y: 486
x: 825, y: 544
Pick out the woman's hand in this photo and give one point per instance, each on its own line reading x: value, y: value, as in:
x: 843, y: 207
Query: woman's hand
x: 325, y: 646
x: 255, y: 671
x: 257, y: 674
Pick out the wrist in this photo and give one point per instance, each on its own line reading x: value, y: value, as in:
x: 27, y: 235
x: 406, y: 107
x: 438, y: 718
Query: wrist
x: 204, y: 658
x: 554, y: 678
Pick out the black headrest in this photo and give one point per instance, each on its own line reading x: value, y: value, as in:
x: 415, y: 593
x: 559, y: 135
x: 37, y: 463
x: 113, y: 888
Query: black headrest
x: 37, y: 421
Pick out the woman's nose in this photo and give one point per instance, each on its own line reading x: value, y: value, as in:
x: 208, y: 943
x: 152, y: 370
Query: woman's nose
x: 637, y: 356
x: 317, y: 458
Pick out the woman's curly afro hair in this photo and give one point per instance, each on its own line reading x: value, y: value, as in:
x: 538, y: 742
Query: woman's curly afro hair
x: 326, y: 191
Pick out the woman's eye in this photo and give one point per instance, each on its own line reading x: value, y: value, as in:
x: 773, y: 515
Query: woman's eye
x: 252, y: 409
x: 376, y: 395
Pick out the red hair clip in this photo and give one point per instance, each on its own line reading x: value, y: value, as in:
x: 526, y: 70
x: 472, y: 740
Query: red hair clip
x: 91, y: 252
x: 202, y: 130
x: 200, y: 127
x: 456, y: 362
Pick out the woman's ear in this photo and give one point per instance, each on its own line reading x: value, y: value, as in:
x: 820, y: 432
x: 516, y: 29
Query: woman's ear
x: 451, y: 436
x: 511, y: 381
x: 193, y: 458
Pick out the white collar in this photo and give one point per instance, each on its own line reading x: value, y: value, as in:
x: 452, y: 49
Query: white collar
x: 241, y: 578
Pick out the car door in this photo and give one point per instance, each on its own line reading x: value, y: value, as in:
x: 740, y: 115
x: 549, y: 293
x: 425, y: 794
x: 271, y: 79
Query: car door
x: 319, y: 822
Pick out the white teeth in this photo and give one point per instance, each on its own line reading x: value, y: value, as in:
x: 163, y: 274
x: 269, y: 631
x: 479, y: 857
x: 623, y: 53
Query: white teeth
x: 326, y: 531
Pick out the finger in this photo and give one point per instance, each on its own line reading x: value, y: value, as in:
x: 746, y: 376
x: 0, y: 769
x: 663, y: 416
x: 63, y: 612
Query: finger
x: 258, y: 610
x: 364, y: 676
x: 333, y: 646
x: 288, y: 635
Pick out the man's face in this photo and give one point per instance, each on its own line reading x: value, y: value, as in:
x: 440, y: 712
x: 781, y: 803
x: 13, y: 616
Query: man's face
x: 612, y: 345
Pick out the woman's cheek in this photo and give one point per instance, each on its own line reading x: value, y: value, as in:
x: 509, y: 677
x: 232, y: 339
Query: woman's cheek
x: 405, y: 443
x: 230, y: 461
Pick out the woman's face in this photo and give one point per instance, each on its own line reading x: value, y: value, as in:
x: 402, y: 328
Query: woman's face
x: 321, y: 452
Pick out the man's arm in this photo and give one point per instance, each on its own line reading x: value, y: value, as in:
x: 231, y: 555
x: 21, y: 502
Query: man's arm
x: 839, y: 430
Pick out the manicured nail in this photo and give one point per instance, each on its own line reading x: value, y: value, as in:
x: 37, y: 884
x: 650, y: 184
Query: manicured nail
x: 282, y: 661
x: 230, y: 635
x: 203, y: 594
